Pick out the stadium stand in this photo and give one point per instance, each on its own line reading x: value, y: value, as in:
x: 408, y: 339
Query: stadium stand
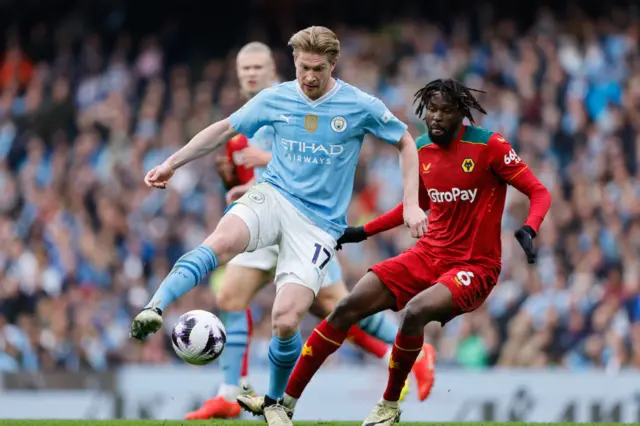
x: 84, y: 113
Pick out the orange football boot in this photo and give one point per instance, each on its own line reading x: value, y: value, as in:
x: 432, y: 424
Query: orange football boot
x: 424, y: 370
x: 215, y: 408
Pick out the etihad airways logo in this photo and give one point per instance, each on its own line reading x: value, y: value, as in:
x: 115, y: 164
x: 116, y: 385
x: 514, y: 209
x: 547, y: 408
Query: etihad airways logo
x: 310, y: 152
x: 456, y: 194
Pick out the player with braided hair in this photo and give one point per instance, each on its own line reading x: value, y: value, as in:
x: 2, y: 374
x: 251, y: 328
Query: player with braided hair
x: 464, y: 173
x: 454, y: 92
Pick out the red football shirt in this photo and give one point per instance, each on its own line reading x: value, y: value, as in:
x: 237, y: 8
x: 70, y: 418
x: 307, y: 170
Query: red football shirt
x: 234, y: 147
x: 464, y: 187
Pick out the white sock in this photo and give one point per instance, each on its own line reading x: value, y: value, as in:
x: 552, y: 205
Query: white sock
x: 229, y: 392
x: 289, y: 401
x: 389, y: 403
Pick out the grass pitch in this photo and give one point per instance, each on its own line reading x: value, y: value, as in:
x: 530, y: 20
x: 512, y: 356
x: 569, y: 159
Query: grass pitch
x: 232, y: 423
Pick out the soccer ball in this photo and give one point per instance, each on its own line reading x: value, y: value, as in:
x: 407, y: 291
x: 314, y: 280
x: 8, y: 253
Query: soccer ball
x: 199, y: 337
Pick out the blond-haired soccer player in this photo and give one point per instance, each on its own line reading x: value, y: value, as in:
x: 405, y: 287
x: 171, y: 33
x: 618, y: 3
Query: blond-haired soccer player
x: 301, y: 200
x: 247, y: 272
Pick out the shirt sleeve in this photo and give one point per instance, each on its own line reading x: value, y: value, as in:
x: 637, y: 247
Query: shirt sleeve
x: 506, y: 164
x: 254, y: 114
x: 504, y: 161
x: 381, y: 122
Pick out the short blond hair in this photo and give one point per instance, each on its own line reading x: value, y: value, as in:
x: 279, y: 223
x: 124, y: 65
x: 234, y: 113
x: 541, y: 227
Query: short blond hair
x: 316, y: 39
x: 255, y: 47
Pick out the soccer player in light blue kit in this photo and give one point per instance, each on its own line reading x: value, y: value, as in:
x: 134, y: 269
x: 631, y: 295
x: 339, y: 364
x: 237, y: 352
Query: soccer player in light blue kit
x: 301, y: 201
x: 246, y: 273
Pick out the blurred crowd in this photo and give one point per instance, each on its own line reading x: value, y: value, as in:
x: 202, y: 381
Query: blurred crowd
x: 85, y: 243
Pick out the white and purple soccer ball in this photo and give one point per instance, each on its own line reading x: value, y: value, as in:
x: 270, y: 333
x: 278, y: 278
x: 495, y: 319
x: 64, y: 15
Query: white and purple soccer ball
x: 199, y: 337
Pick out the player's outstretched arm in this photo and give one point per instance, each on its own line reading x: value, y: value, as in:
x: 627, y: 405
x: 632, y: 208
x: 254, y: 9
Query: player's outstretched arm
x: 414, y: 216
x: 247, y: 120
x: 206, y: 141
x: 389, y: 220
x: 203, y: 143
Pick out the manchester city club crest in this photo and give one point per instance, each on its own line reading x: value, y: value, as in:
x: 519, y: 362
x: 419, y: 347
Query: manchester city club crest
x: 256, y: 197
x: 339, y: 124
x: 311, y: 123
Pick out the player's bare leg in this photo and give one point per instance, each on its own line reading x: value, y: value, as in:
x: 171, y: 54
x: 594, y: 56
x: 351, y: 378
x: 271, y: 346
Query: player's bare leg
x: 374, y: 334
x: 239, y: 286
x: 230, y: 238
x: 292, y: 301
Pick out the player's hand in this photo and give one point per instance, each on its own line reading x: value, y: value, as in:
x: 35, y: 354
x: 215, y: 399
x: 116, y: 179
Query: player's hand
x: 525, y: 236
x: 353, y: 234
x: 159, y: 176
x: 416, y: 219
x: 235, y: 193
x: 254, y: 157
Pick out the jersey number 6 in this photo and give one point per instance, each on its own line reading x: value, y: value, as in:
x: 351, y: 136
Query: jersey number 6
x: 464, y: 277
x: 316, y: 255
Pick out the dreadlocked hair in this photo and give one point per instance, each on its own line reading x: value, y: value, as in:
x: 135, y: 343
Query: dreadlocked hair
x: 453, y: 91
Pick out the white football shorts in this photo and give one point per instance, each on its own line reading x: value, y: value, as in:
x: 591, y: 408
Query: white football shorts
x: 265, y: 259
x: 303, y: 253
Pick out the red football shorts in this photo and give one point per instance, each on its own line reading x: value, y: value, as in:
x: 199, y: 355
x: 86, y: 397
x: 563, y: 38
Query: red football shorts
x: 415, y: 270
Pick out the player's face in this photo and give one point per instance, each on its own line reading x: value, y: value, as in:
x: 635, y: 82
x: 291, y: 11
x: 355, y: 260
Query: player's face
x: 256, y: 71
x: 313, y: 72
x: 443, y: 120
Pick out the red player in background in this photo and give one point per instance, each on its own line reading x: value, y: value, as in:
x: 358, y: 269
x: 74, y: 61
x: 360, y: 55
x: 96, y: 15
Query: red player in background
x: 464, y: 171
x: 231, y: 165
x: 235, y: 147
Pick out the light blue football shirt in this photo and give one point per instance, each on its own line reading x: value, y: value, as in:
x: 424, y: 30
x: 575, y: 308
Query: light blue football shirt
x: 317, y: 144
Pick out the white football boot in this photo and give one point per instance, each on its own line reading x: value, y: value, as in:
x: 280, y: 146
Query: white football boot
x: 383, y: 414
x: 277, y: 415
x: 254, y: 404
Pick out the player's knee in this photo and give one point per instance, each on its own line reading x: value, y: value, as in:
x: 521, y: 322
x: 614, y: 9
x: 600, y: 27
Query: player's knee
x: 346, y: 313
x: 230, y: 238
x: 284, y: 323
x: 230, y: 300
x: 433, y: 304
x: 223, y: 245
x: 291, y: 303
x: 417, y: 314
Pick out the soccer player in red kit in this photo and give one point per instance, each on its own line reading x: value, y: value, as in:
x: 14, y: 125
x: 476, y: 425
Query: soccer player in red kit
x: 464, y: 171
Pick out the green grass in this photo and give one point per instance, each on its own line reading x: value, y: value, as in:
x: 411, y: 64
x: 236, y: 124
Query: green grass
x: 230, y: 423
